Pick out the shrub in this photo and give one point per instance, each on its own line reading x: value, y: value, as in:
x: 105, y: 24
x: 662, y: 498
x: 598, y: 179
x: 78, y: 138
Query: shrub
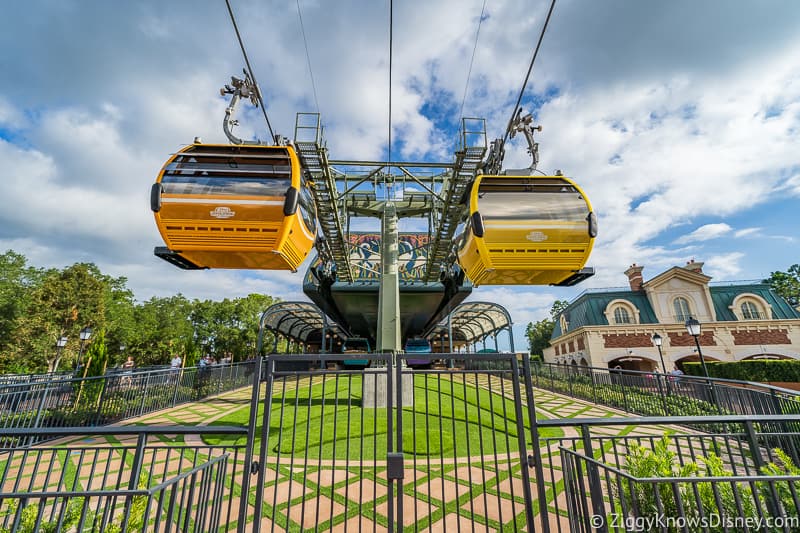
x: 755, y: 370
x: 703, y: 498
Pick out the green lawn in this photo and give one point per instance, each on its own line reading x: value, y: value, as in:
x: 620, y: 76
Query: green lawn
x: 324, y: 419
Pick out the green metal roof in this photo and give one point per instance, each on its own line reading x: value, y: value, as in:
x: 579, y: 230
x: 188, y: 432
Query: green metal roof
x: 723, y: 297
x: 588, y: 309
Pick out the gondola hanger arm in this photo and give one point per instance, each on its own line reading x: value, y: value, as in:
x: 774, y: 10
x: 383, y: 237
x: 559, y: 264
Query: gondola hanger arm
x: 239, y: 88
x: 522, y: 124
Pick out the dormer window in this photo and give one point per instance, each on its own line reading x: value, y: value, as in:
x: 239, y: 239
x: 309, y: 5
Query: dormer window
x: 750, y: 311
x: 749, y: 306
x: 681, y: 308
x: 622, y: 312
x: 622, y: 316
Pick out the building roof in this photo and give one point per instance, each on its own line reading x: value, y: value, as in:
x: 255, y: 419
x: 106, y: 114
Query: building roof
x: 589, y: 308
x: 723, y: 296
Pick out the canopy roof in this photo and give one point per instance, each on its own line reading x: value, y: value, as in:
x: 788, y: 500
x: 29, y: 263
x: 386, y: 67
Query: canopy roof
x: 474, y: 321
x: 298, y: 321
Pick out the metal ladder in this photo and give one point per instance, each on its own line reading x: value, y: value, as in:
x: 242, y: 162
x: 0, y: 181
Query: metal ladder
x: 314, y: 159
x: 468, y: 158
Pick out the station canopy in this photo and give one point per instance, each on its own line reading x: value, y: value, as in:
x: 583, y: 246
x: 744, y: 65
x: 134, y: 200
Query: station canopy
x: 299, y: 321
x: 473, y: 322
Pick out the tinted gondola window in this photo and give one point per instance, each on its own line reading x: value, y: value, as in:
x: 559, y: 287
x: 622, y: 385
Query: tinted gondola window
x: 531, y: 203
x: 224, y: 185
x: 307, y: 210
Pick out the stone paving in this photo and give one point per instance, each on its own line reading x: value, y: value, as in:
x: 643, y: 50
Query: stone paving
x: 476, y: 493
x: 439, y: 494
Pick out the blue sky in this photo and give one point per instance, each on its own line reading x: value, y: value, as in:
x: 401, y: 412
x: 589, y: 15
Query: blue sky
x: 681, y: 120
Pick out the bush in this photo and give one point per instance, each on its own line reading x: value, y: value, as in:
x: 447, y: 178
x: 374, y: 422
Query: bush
x: 706, y: 498
x: 753, y: 370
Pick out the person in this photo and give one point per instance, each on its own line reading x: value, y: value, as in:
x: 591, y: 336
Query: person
x: 675, y: 373
x: 127, y: 370
x: 175, y: 366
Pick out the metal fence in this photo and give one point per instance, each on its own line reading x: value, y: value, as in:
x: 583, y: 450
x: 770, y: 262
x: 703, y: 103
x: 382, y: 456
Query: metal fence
x: 655, y: 394
x: 379, y: 449
x: 393, y: 448
x: 102, y: 400
x: 677, y: 482
x: 123, y: 480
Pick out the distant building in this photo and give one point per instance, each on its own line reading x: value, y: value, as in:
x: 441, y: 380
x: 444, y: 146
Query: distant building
x: 614, y: 327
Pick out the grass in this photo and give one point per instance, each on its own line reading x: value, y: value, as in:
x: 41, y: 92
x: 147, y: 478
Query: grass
x: 323, y: 418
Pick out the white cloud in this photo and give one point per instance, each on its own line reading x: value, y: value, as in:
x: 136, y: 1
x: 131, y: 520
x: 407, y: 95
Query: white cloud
x: 724, y: 266
x: 705, y: 233
x: 747, y: 232
x: 671, y: 124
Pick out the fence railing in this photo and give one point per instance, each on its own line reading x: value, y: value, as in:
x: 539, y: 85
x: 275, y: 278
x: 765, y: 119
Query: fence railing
x: 120, y: 479
x: 639, y: 474
x: 656, y: 394
x: 96, y: 401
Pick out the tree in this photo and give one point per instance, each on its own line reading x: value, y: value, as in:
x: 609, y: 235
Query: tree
x: 60, y: 306
x: 539, y: 333
x: 787, y: 284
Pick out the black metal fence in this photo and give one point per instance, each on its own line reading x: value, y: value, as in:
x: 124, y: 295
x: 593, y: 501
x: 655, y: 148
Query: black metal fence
x: 389, y: 447
x: 406, y: 449
x: 97, y: 401
x: 668, y: 481
x: 120, y: 480
x: 655, y: 394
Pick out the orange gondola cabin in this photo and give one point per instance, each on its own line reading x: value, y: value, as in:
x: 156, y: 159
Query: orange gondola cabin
x: 234, y: 206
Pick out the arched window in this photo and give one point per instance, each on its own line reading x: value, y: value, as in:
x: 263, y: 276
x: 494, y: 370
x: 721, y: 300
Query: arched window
x: 621, y: 316
x: 681, y: 306
x: 750, y: 311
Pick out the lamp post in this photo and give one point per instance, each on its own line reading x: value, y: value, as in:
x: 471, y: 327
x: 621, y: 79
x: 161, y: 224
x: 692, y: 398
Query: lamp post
x: 693, y: 327
x: 60, y: 343
x: 85, y: 335
x: 657, y: 341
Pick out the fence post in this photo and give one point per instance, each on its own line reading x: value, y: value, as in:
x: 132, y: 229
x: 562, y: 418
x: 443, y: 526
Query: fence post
x: 251, y: 467
x: 594, y: 386
x: 177, y: 379
x: 100, y: 401
x: 136, y: 472
x: 144, y: 393
x: 661, y: 393
x: 624, y: 394
x: 772, y: 498
x: 595, y: 489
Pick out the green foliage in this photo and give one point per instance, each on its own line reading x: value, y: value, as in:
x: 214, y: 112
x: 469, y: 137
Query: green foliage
x: 701, y: 498
x: 787, y: 284
x: 30, y: 513
x: 539, y: 333
x: 38, y: 306
x: 751, y: 370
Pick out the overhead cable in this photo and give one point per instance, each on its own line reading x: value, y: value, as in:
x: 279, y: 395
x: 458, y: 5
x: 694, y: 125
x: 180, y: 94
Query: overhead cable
x: 472, y: 59
x: 528, y: 75
x: 250, y: 70
x: 308, y: 56
x: 391, y: 9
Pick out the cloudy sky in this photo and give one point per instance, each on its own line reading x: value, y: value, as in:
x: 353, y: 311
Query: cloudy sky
x: 681, y: 120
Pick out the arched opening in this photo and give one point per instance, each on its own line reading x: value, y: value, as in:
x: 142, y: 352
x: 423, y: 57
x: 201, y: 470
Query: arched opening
x: 632, y: 362
x: 766, y: 357
x: 584, y: 362
x: 693, y: 358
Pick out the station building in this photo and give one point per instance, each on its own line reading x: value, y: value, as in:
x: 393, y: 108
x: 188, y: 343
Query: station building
x: 614, y: 328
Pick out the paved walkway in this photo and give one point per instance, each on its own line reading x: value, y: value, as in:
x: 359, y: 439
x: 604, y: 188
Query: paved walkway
x: 441, y: 492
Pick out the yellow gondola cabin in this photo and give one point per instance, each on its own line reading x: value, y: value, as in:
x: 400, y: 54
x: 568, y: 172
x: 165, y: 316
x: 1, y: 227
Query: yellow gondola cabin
x: 527, y: 230
x: 233, y: 206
